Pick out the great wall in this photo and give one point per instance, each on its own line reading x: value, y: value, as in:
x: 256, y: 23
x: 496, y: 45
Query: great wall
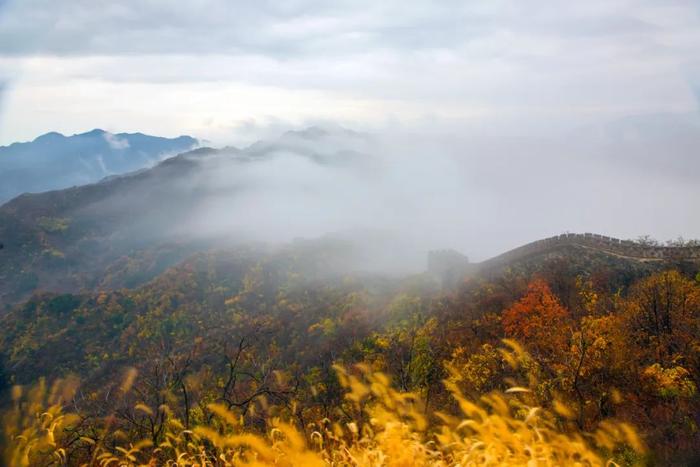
x: 615, y: 246
x: 448, y: 264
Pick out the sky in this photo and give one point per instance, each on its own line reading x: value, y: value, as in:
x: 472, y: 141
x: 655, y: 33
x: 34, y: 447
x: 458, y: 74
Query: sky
x: 602, y: 95
x: 219, y: 69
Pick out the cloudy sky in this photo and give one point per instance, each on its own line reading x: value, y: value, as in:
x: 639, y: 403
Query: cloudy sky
x: 218, y: 69
x: 556, y: 116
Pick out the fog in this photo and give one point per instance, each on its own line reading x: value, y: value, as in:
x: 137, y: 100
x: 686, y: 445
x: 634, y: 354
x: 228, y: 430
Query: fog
x: 401, y: 193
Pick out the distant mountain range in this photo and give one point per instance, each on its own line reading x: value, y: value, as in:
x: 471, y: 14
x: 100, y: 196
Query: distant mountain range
x: 54, y: 161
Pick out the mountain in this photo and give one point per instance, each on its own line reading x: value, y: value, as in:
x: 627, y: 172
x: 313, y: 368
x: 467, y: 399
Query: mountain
x: 163, y: 273
x: 181, y: 288
x: 53, y: 161
x: 127, y: 229
x: 124, y: 230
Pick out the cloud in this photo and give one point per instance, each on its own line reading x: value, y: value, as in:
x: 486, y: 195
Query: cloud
x: 448, y: 58
x: 219, y: 26
x: 403, y: 192
x: 303, y: 27
x: 114, y: 141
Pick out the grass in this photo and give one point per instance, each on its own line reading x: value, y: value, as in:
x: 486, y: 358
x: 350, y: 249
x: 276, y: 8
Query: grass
x: 389, y: 428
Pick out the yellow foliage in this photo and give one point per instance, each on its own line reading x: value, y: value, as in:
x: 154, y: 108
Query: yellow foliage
x: 670, y: 382
x: 391, y: 429
x: 35, y: 427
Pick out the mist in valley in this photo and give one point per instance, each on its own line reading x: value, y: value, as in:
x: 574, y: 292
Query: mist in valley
x: 398, y: 194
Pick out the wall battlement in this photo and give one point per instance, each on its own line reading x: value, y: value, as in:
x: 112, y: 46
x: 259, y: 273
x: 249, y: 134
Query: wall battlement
x: 602, y: 243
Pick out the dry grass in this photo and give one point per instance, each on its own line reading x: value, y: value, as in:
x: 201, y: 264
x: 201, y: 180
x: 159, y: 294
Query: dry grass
x: 391, y: 429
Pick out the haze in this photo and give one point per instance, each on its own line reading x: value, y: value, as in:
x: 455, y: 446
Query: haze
x: 488, y: 124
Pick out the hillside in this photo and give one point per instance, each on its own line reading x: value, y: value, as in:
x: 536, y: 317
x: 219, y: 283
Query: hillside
x: 199, y: 288
x: 54, y: 161
x: 584, y: 252
x: 124, y: 230
x: 64, y: 240
x: 259, y: 329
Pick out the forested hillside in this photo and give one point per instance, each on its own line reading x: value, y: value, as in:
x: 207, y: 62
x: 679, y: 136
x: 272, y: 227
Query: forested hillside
x: 155, y: 316
x: 283, y: 339
x: 125, y: 230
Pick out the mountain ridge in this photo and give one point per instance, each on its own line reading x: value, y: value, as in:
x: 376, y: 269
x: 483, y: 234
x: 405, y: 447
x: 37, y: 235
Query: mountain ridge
x: 450, y: 265
x: 55, y: 161
x: 94, y: 132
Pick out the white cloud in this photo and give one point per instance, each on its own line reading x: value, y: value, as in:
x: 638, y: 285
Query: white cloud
x: 115, y: 142
x: 222, y: 62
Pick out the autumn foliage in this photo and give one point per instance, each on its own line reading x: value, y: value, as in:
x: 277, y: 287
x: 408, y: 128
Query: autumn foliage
x: 243, y: 360
x: 390, y: 428
x: 538, y: 319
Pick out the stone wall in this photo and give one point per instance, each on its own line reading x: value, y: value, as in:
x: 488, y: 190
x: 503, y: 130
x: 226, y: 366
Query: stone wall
x: 597, y: 242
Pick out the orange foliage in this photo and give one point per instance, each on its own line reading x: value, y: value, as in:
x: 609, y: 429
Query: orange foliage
x: 538, y: 318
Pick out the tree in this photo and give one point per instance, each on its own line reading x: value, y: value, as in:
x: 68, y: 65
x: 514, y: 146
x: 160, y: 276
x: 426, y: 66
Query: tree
x: 538, y: 320
x: 661, y: 316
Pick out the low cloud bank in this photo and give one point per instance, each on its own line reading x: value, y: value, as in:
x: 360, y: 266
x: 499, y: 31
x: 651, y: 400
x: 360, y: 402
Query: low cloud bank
x: 481, y: 193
